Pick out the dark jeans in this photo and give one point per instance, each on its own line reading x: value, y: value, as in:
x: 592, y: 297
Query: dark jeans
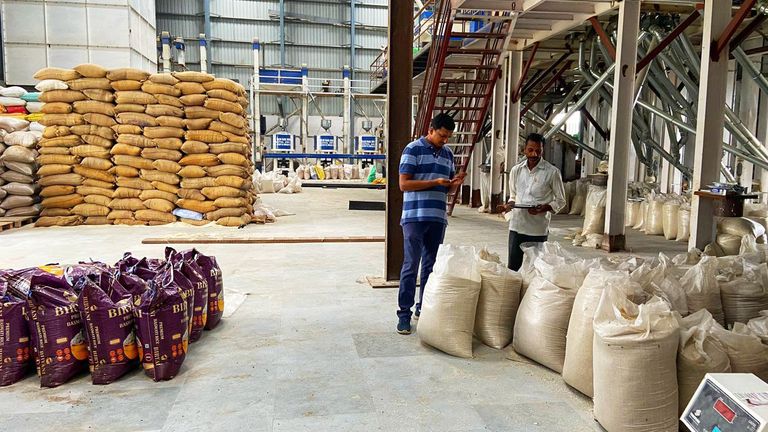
x: 422, y: 239
x: 515, y: 253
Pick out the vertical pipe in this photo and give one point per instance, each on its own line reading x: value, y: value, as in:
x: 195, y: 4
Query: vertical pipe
x: 513, y: 119
x: 305, y: 108
x: 203, y: 53
x: 498, y: 136
x: 710, y: 121
x: 621, y: 124
x: 282, y: 33
x: 349, y: 145
x: 255, y: 87
x: 207, y: 26
x: 165, y: 40
x: 352, y: 66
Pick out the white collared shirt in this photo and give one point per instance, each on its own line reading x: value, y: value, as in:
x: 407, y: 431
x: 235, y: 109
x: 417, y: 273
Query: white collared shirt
x: 541, y: 185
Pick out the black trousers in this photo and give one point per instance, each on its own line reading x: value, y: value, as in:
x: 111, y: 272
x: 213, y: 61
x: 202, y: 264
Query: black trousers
x: 515, y: 259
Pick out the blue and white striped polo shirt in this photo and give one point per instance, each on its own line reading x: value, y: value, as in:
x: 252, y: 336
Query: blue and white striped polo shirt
x: 426, y: 162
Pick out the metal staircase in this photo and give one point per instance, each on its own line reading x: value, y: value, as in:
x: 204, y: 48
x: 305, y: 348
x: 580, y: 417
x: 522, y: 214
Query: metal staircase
x: 461, y: 73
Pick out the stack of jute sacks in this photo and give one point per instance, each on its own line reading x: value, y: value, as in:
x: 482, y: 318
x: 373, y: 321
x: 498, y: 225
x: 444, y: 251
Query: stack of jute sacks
x: 216, y: 183
x: 126, y: 147
x: 75, y: 144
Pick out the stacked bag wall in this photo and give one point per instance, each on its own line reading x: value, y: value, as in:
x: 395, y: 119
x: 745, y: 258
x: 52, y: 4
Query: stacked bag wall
x: 19, y: 191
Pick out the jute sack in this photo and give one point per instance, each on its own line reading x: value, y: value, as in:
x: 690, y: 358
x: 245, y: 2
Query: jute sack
x: 16, y: 201
x: 97, y: 200
x: 98, y: 183
x: 222, y: 105
x: 94, y: 174
x: 54, y: 212
x: 100, y: 95
x: 224, y: 84
x: 197, y: 206
x: 206, y: 136
x: 450, y: 301
x: 125, y: 150
x: 194, y: 222
x: 126, y: 85
x: 635, y: 364
x: 160, y: 205
x: 127, y: 74
x: 227, y: 170
x: 745, y: 296
x: 168, y: 143
x: 57, y: 108
x: 577, y: 368
x: 124, y: 171
x: 236, y: 138
x: 225, y: 213
x: 31, y: 210
x: 229, y: 147
x: 189, y: 88
x: 171, y: 122
x: 163, y: 78
x: 216, y: 192
x: 234, y: 120
x: 61, y: 180
x: 699, y: 353
x: 222, y: 94
x: 66, y: 96
x: 133, y: 161
x: 96, y: 140
x: 154, y: 175
x: 15, y: 188
x: 90, y: 84
x: 61, y: 151
x: 14, y: 176
x: 96, y: 220
x: 191, y: 76
x: 167, y: 166
x: 90, y: 151
x: 18, y: 154
x: 241, y: 183
x: 55, y: 159
x: 130, y: 108
x: 56, y: 190
x: 158, y: 110
x: 234, y: 221
x: 91, y: 190
x: 701, y: 289
x: 157, y: 194
x: 100, y: 131
x: 49, y: 170
x: 89, y: 70
x: 127, y: 129
x: 90, y: 106
x: 87, y: 210
x: 197, y: 124
x: 227, y: 202
x: 96, y: 163
x: 136, y: 119
x: 59, y: 221
x: 99, y: 120
x: 62, y: 120
x: 198, y: 112
x: 203, y: 160
x: 193, y: 100
x: 120, y: 214
x: 130, y: 222
x: 542, y: 323
x: 194, y: 147
x: 155, y: 216
x: 56, y: 132
x: 163, y: 132
x: 124, y: 192
x: 165, y: 187
x: 169, y: 100
x: 192, y: 194
x: 498, y: 301
x: 233, y: 159
x: 133, y: 204
x: 51, y: 73
x: 51, y: 84
x: 63, y: 201
x: 136, y: 140
x: 134, y: 183
x: 154, y: 88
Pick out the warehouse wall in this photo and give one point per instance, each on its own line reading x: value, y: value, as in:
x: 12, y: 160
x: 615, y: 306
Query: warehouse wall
x: 317, y: 33
x: 113, y: 33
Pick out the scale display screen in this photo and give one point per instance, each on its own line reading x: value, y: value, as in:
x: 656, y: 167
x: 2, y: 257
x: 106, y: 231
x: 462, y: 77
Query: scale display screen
x: 326, y: 143
x: 367, y: 143
x: 713, y: 410
x: 282, y: 142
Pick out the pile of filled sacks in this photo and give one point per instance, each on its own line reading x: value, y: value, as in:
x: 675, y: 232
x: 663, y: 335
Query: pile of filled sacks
x: 18, y: 103
x: 660, y: 214
x: 127, y: 147
x: 19, y: 191
x: 667, y: 321
x: 65, y: 320
x: 275, y: 182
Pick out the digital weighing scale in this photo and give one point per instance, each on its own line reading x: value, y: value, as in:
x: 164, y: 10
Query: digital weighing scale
x: 735, y: 402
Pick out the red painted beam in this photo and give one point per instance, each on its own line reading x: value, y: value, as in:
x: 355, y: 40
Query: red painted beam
x: 725, y: 38
x: 753, y: 25
x: 603, y: 37
x: 668, y: 40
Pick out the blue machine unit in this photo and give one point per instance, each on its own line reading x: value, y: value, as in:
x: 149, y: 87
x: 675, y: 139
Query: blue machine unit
x: 325, y: 143
x: 366, y: 144
x: 283, y: 142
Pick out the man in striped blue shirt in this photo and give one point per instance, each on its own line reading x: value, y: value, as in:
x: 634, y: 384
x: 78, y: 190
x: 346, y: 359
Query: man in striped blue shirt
x: 427, y: 172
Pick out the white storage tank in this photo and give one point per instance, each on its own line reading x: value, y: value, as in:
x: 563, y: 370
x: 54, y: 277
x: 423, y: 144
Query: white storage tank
x: 56, y: 33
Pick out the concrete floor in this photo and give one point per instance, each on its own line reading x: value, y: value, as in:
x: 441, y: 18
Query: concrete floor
x: 311, y: 348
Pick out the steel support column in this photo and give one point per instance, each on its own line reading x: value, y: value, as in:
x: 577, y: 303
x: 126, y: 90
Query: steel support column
x: 749, y: 99
x: 207, y: 28
x: 498, y: 136
x: 710, y: 121
x: 399, y: 125
x: 621, y: 124
x: 515, y: 60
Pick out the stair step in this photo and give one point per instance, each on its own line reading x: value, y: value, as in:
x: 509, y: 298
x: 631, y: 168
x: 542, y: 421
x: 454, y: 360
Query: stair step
x: 473, y: 51
x: 468, y: 67
x: 464, y: 81
x: 458, y: 95
x: 477, y: 35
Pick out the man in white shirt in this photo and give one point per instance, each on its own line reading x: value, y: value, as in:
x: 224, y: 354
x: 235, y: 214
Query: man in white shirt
x: 536, y: 186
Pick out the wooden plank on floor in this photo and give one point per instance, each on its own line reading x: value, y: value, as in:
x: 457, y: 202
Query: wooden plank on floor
x: 263, y: 240
x: 7, y: 223
x: 367, y: 205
